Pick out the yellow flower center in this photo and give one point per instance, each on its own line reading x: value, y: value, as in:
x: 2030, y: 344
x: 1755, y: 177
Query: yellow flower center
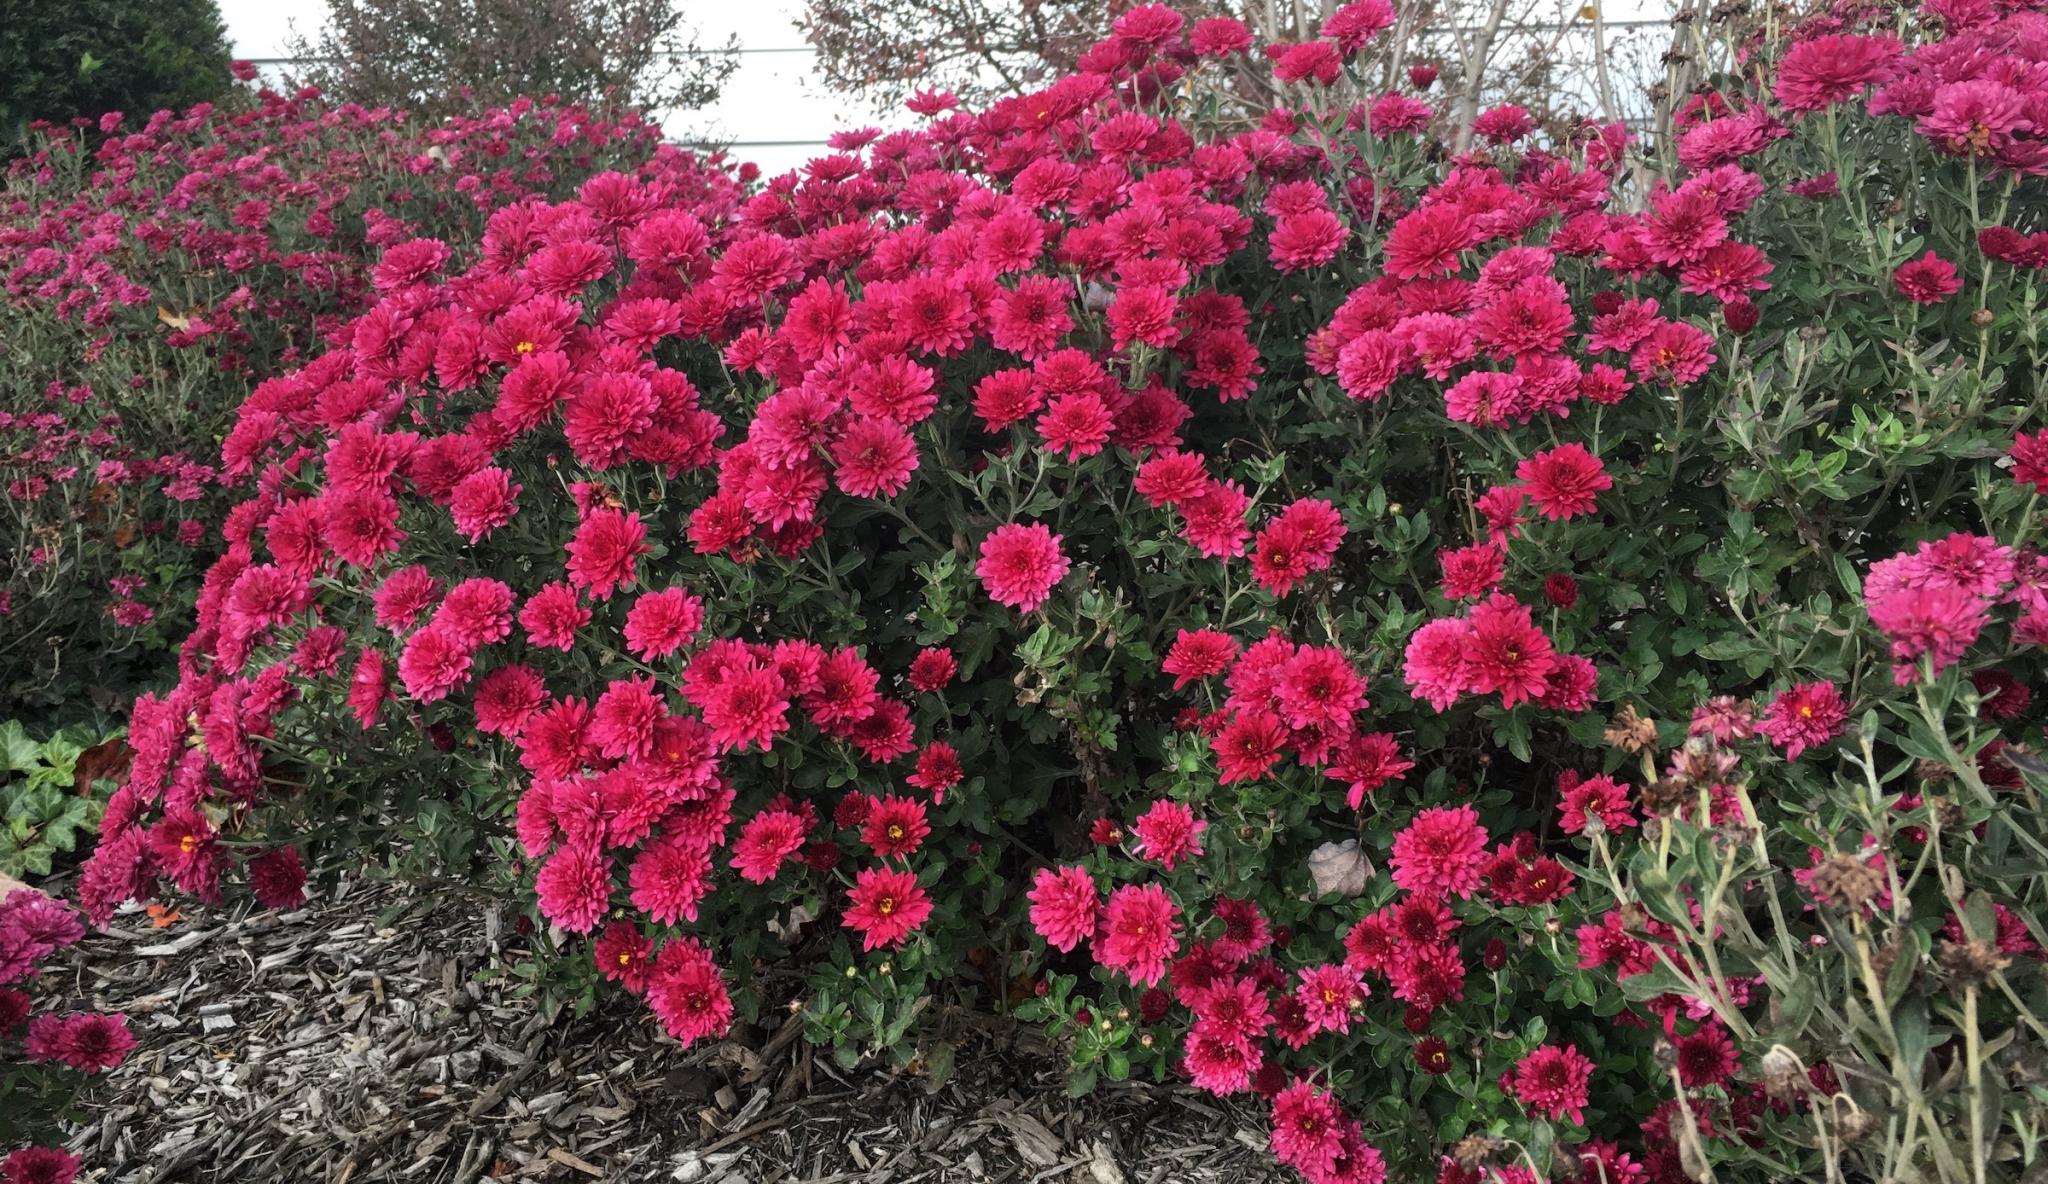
x: 524, y: 347
x: 188, y: 844
x: 887, y: 906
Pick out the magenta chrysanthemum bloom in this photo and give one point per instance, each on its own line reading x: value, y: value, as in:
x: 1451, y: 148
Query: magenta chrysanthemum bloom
x: 2030, y: 460
x: 1365, y: 762
x: 1198, y: 654
x: 1706, y: 1058
x: 39, y: 1165
x: 484, y: 501
x: 766, y: 841
x: 507, y: 698
x: 895, y: 827
x: 623, y: 721
x: 1553, y: 1082
x: 1471, y: 572
x: 1330, y: 996
x: 874, y: 458
x: 1168, y: 833
x: 1930, y: 279
x: 1434, y: 663
x: 1218, y: 1063
x: 1139, y: 934
x: 477, y: 612
x: 1218, y: 37
x: 1584, y: 798
x: 1020, y: 564
x: 434, y: 662
x: 1307, y: 239
x: 660, y: 623
x: 669, y: 877
x: 932, y: 669
x: 687, y: 993
x: 1937, y: 623
x: 1317, y: 688
x: 1077, y: 425
x: 1563, y: 482
x: 606, y: 551
x: 1064, y: 906
x: 88, y: 1041
x: 574, y: 887
x: 885, y: 906
x: 1807, y: 716
x: 552, y: 616
x: 1308, y: 1129
x: 278, y: 878
x: 1441, y: 853
x: 938, y: 770
x: 748, y: 708
x: 1244, y: 928
x: 1143, y: 314
x: 621, y: 954
x: 1822, y: 71
x: 1249, y: 745
x: 1505, y: 651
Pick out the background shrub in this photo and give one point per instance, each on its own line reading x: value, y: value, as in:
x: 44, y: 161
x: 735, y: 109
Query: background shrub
x: 453, y: 57
x: 83, y: 58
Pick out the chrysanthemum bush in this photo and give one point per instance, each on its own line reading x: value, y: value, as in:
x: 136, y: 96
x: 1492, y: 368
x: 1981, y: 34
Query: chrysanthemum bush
x: 1522, y: 660
x: 154, y: 268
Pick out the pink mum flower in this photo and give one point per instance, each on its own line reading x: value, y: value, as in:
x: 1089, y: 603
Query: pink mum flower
x: 606, y: 550
x: 1434, y: 663
x: 1198, y: 654
x: 1930, y: 279
x: 1553, y: 1082
x: 1064, y: 905
x: 1308, y: 1129
x: 88, y: 1041
x: 1441, y: 853
x: 1806, y: 716
x: 660, y: 623
x: 574, y: 887
x: 2030, y: 460
x: 1506, y: 652
x: 687, y: 993
x: 1139, y: 933
x: 766, y: 841
x: 1584, y: 798
x: 885, y: 906
x: 1168, y: 833
x: 1330, y: 996
x: 1020, y: 564
x: 1564, y: 481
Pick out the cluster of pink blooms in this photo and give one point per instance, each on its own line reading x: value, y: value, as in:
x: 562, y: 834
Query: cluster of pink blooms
x: 1244, y: 1007
x: 240, y: 239
x: 1934, y: 602
x: 32, y: 927
x: 1284, y: 699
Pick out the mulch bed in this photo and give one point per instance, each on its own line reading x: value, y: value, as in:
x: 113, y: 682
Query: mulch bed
x: 350, y: 1041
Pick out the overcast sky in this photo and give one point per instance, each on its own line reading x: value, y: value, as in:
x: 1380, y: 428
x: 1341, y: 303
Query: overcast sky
x: 771, y: 96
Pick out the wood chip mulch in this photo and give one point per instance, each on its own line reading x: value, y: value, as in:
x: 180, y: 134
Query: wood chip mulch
x: 350, y: 1041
